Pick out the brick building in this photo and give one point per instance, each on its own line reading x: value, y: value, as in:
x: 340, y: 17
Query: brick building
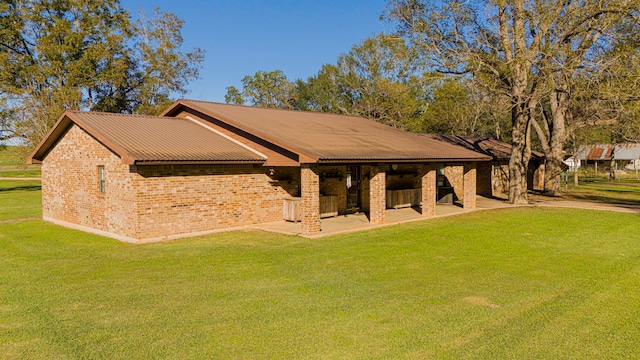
x: 202, y: 167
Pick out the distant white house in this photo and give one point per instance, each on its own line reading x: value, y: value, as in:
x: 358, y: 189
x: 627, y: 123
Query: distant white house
x: 572, y: 163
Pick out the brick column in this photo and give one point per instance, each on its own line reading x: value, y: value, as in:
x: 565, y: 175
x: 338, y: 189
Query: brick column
x: 429, y: 190
x: 377, y: 195
x: 469, y: 201
x: 310, y: 191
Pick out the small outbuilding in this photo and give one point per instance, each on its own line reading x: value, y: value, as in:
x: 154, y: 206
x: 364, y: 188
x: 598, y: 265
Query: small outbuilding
x: 202, y: 167
x: 605, y: 156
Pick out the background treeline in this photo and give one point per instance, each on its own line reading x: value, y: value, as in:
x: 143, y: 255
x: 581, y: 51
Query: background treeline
x: 383, y: 79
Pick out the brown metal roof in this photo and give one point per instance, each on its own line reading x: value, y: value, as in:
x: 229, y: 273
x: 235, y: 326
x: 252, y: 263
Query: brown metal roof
x: 140, y: 139
x: 321, y: 137
x: 596, y: 153
x: 497, y: 149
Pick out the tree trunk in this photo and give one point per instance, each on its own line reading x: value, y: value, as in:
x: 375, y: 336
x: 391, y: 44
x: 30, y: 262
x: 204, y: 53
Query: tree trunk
x: 575, y: 172
x: 612, y: 171
x: 553, y: 170
x: 520, y: 154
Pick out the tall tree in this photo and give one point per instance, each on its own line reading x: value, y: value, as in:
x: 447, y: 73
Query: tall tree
x: 456, y: 38
x: 580, y: 47
x: 70, y: 54
x: 526, y: 50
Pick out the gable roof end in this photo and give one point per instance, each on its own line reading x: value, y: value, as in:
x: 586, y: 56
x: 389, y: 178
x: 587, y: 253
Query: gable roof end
x: 141, y: 139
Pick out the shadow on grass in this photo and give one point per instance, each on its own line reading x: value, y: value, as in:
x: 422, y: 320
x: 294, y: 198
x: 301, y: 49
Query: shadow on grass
x: 21, y: 187
x: 603, y: 199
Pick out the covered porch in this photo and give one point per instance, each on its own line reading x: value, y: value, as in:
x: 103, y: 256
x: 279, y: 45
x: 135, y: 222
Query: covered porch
x: 379, y: 193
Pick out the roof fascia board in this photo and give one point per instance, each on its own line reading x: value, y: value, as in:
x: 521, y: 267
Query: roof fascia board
x: 387, y: 160
x: 60, y: 126
x: 173, y: 107
x: 197, y: 162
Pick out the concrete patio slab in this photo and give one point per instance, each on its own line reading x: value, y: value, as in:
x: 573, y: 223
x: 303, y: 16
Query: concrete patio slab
x: 358, y: 222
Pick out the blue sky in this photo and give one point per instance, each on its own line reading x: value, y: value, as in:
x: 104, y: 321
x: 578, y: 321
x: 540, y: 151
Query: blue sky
x: 242, y: 37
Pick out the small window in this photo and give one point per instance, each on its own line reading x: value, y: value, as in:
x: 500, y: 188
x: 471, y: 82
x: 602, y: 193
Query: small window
x: 101, y: 179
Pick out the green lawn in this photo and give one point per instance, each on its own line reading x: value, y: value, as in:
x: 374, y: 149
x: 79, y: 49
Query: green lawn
x: 527, y: 283
x: 12, y: 164
x: 10, y: 155
x: 19, y: 200
x: 601, y: 190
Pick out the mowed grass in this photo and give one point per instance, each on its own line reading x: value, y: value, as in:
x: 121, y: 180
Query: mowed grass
x: 12, y: 164
x: 525, y: 283
x: 600, y: 190
x: 20, y: 200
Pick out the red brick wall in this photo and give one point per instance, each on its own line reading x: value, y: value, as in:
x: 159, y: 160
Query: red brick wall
x: 181, y: 199
x: 500, y: 178
x: 469, y: 200
x: 455, y: 175
x: 484, y: 170
x: 70, y: 186
x: 429, y: 189
x: 156, y: 202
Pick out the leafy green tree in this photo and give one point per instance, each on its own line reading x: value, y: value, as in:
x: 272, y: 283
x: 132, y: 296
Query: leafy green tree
x: 269, y: 89
x: 524, y: 50
x: 156, y: 70
x: 376, y: 79
x: 70, y: 54
x: 327, y: 91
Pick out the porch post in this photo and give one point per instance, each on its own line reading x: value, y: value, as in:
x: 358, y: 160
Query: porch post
x: 377, y: 195
x: 469, y: 201
x: 429, y: 191
x: 310, y: 192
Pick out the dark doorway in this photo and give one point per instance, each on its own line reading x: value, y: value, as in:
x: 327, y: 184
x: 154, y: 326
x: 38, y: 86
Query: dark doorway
x: 446, y: 195
x: 353, y: 189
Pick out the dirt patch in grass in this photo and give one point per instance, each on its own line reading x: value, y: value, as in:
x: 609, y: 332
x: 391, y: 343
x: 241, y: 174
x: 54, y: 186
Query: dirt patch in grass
x: 481, y: 301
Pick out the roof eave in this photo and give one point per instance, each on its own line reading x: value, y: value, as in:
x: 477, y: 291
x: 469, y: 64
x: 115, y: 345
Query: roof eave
x: 403, y: 160
x: 174, y: 106
x: 40, y: 151
x: 198, y: 162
